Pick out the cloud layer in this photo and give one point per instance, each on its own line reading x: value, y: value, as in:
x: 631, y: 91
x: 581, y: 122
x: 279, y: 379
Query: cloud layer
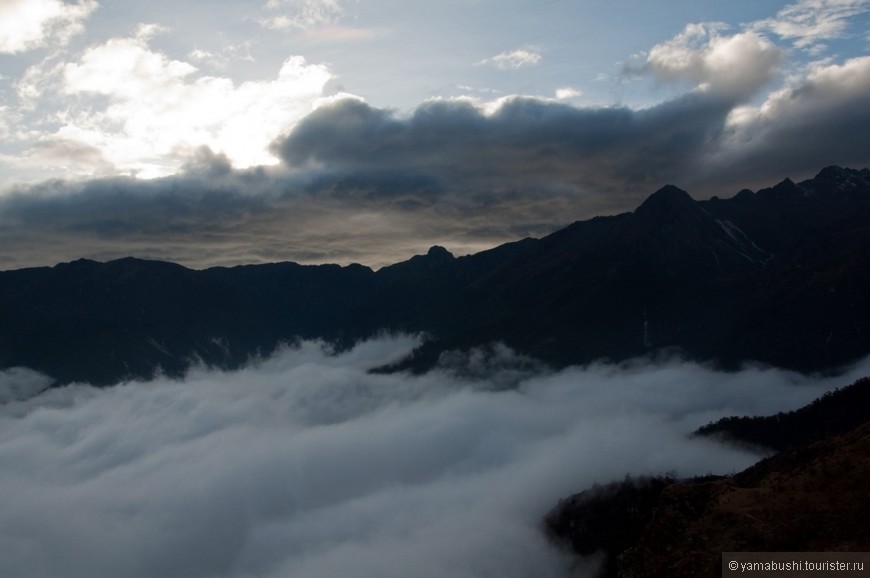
x: 305, y: 465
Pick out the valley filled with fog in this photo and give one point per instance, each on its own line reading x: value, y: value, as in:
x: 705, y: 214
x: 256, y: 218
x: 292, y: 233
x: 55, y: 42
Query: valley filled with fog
x: 306, y: 464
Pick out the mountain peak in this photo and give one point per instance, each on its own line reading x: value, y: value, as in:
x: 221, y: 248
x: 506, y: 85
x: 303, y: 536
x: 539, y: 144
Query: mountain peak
x: 440, y: 253
x: 785, y: 189
x: 434, y: 259
x: 665, y: 200
x: 835, y: 180
x: 834, y: 173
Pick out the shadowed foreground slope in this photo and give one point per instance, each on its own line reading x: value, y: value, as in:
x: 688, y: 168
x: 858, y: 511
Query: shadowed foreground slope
x: 812, y: 498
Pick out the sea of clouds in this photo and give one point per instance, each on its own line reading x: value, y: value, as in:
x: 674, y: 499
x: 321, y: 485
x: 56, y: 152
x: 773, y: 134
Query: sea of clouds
x: 307, y: 465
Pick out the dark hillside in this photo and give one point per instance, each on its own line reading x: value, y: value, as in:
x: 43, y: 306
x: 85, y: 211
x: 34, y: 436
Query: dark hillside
x: 835, y: 413
x: 810, y: 498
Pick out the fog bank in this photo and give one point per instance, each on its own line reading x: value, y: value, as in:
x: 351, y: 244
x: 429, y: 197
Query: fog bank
x: 306, y: 465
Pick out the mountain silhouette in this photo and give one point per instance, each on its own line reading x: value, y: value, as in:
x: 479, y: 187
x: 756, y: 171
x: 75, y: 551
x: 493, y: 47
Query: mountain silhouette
x: 778, y: 276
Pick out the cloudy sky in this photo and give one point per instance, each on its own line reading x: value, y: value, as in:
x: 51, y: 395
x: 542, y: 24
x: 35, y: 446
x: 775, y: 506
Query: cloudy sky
x: 307, y: 465
x: 367, y: 130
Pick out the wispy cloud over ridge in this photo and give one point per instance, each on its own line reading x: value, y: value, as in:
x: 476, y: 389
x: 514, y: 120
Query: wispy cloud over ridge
x: 305, y: 464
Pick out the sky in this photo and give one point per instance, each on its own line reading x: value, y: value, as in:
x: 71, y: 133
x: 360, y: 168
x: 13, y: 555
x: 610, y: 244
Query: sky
x: 219, y: 133
x: 305, y: 464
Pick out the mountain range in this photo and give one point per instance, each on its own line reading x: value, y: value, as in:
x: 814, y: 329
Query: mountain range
x: 778, y: 276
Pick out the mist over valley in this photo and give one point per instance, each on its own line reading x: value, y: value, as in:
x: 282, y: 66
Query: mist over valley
x: 307, y: 464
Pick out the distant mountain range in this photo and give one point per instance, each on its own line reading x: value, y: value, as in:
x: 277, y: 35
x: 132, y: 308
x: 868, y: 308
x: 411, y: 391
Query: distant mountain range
x: 779, y: 276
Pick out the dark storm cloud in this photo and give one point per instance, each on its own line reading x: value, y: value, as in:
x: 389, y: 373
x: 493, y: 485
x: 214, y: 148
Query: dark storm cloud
x: 58, y: 219
x: 612, y: 156
x: 307, y: 465
x: 215, y: 215
x: 812, y: 123
x: 118, y: 207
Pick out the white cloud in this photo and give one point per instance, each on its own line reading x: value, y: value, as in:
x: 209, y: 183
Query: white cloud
x: 146, y: 112
x: 300, y: 14
x: 567, y: 92
x: 29, y: 24
x: 513, y: 59
x: 809, y: 22
x: 37, y: 81
x: 730, y: 65
x: 306, y: 465
x: 207, y: 57
x: 124, y: 68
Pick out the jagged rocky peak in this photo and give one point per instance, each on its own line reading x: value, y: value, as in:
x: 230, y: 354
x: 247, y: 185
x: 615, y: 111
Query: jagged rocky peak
x: 835, y: 173
x: 836, y: 179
